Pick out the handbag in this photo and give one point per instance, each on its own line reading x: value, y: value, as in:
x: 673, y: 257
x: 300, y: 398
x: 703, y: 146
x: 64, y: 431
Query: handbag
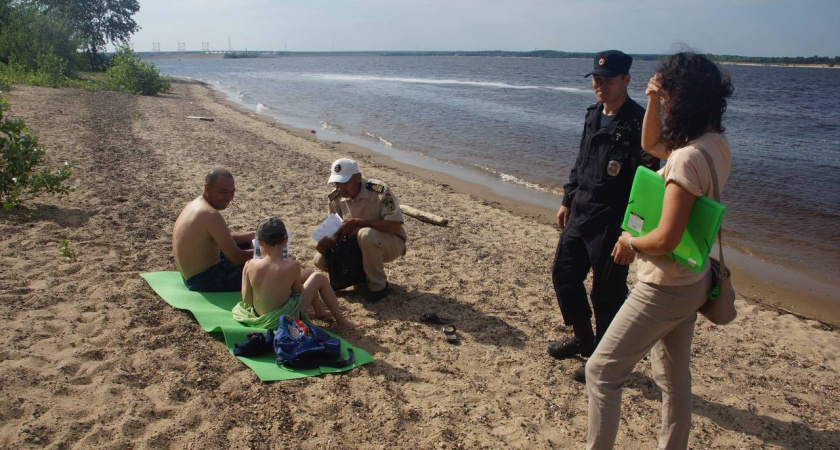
x: 719, y: 307
x: 344, y: 259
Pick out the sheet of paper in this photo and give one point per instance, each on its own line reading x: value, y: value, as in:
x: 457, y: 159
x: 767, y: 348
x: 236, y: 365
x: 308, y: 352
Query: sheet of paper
x: 327, y: 228
x: 286, y: 247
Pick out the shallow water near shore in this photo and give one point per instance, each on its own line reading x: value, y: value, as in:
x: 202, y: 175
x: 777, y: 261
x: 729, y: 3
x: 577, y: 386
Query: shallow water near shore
x: 513, y: 125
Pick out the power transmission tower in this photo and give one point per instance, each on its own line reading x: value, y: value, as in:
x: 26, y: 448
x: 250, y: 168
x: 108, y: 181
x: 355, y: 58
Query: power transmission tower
x: 155, y: 46
x: 181, y: 46
x: 205, y: 46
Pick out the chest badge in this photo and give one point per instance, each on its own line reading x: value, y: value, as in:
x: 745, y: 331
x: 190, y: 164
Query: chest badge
x: 613, y: 168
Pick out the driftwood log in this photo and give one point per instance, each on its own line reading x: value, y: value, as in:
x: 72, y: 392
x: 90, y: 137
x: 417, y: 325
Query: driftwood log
x: 424, y: 216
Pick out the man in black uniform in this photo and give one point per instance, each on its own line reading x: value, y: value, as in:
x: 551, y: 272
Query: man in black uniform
x: 593, y: 207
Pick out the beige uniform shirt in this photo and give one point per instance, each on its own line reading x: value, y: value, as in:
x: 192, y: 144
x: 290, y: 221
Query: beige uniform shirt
x: 375, y: 201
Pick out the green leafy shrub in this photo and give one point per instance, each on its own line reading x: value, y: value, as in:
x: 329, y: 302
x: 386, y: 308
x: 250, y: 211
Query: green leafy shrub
x: 130, y: 74
x: 51, y: 70
x: 22, y: 175
x: 12, y: 74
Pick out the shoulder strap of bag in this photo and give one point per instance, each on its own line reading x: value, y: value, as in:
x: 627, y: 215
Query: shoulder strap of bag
x: 715, y: 186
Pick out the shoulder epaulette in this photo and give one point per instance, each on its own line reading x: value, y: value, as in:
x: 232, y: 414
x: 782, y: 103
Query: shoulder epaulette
x: 375, y: 187
x: 333, y: 195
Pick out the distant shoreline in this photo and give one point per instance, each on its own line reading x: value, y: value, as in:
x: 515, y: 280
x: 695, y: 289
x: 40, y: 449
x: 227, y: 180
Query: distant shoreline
x: 771, y: 62
x: 807, y: 66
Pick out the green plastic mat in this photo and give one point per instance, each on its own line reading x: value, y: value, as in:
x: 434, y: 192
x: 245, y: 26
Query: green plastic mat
x: 212, y: 310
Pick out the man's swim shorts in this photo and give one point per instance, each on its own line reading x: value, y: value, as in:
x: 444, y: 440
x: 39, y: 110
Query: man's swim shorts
x: 223, y: 277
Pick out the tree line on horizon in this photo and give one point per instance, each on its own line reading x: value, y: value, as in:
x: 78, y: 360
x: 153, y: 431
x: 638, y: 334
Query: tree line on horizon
x: 822, y: 60
x: 831, y: 61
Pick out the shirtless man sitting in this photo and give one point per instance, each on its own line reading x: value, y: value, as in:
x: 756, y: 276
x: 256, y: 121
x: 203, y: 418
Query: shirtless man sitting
x: 272, y: 286
x: 208, y: 255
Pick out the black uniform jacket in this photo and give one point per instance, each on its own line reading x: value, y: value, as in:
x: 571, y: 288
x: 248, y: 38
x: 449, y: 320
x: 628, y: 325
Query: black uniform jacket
x: 599, y: 184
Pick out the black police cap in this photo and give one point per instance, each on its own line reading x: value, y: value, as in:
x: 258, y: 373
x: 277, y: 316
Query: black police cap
x: 611, y: 63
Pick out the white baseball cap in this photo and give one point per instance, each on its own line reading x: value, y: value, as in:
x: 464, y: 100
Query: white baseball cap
x: 342, y: 170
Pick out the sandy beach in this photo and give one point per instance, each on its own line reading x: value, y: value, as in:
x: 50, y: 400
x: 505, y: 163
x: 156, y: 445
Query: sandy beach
x: 95, y: 359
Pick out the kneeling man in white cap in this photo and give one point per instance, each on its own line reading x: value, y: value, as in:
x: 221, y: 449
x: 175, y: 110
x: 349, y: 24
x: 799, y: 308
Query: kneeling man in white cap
x: 371, y: 212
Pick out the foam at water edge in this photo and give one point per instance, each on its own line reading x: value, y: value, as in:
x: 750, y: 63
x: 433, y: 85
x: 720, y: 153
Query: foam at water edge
x: 512, y: 179
x: 379, y: 138
x: 329, y: 126
x: 491, y: 84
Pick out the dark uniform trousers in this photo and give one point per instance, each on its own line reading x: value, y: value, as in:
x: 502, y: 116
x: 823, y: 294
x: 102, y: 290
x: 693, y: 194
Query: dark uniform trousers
x: 574, y: 256
x: 596, y: 195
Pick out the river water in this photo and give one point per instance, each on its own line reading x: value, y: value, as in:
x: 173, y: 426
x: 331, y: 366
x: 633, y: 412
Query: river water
x: 515, y: 124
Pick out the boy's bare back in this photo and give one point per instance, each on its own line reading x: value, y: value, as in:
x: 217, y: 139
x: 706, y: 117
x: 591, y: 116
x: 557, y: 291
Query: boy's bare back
x: 268, y: 283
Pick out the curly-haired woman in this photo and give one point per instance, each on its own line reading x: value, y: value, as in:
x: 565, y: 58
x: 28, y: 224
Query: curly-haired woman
x: 659, y: 314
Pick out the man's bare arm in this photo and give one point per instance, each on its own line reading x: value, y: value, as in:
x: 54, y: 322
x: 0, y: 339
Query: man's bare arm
x: 243, y: 238
x: 220, y: 233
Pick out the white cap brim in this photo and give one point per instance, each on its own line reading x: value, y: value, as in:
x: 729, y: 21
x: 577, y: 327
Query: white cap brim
x: 339, y: 178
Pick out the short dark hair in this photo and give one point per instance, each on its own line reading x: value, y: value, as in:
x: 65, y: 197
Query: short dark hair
x: 697, y: 90
x: 271, y: 231
x: 215, y: 173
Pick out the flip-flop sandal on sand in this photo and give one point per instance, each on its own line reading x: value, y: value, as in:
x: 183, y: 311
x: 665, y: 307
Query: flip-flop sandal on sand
x: 433, y: 318
x: 451, y: 334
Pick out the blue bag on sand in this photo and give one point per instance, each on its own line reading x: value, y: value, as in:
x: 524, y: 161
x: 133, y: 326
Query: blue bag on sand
x: 304, y: 346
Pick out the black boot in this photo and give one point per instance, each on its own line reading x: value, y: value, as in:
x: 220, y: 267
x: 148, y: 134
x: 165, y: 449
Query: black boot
x: 583, y: 344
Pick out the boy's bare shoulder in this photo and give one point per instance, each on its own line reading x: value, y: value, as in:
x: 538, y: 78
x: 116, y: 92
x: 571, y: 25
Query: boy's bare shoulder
x: 293, y: 264
x: 286, y: 264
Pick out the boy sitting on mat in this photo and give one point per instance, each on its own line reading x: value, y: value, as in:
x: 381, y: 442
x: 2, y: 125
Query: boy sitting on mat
x: 273, y: 286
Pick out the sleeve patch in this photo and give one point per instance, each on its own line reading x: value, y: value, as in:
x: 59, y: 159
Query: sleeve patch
x: 389, y: 205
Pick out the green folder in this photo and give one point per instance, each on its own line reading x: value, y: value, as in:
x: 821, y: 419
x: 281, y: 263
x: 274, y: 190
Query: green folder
x: 644, y: 210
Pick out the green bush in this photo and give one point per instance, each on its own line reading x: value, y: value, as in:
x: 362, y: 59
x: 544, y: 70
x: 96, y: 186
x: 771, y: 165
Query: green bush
x: 12, y: 74
x: 51, y: 70
x: 29, y: 33
x: 130, y: 74
x: 22, y: 175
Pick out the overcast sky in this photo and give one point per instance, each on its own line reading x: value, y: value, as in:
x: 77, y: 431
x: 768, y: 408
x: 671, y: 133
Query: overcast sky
x: 739, y: 27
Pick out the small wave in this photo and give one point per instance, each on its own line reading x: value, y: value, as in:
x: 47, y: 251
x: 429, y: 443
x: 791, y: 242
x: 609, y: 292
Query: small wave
x: 329, y: 126
x: 492, y: 84
x: 569, y: 89
x: 515, y: 180
x: 261, y: 108
x: 378, y: 138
